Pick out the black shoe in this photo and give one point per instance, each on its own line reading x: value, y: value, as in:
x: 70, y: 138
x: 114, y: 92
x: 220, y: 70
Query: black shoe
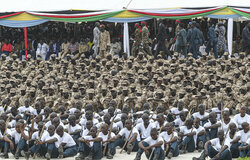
x: 80, y: 157
x: 129, y: 148
x: 138, y: 156
x: 27, y: 155
x: 48, y: 156
x: 170, y: 154
x: 156, y: 157
x: 200, y: 146
x: 109, y: 155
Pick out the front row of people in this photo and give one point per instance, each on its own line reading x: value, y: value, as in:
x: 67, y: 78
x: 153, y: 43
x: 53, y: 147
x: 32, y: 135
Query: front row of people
x: 164, y: 140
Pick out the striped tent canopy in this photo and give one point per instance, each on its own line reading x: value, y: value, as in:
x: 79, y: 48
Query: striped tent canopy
x: 26, y: 13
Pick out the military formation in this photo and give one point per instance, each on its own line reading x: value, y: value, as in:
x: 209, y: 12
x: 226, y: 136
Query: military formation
x: 105, y: 106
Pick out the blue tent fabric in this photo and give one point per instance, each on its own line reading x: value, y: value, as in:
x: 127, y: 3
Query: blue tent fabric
x: 22, y: 24
x: 126, y: 20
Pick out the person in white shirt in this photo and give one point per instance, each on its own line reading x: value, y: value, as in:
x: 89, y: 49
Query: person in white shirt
x: 72, y: 128
x: 107, y: 135
x: 88, y: 117
x: 160, y: 123
x: 233, y: 140
x: 3, y: 132
x: 187, y: 134
x: 242, y: 117
x: 202, y: 115
x: 90, y: 146
x: 51, y: 117
x: 239, y: 138
x: 226, y: 121
x: 200, y: 137
x: 145, y: 127
x: 56, y: 122
x: 179, y: 109
x: 218, y: 109
x: 85, y: 131
x: 131, y: 135
x: 154, y: 144
x: 17, y: 140
x: 217, y: 148
x: 26, y: 110
x: 37, y: 110
x: 121, y: 123
x: 212, y: 126
x: 180, y: 121
x: 107, y: 119
x: 170, y: 138
x: 65, y: 144
x: 35, y: 138
x: 42, y: 49
x: 245, y: 149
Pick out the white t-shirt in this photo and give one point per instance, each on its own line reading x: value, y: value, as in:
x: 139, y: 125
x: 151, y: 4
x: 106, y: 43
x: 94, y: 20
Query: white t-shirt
x: 85, y: 132
x: 157, y: 125
x: 119, y: 124
x: 167, y: 137
x: 178, y: 122
x: 198, y: 130
x: 248, y: 141
x: 176, y: 111
x: 101, y: 123
x: 185, y: 130
x: 140, y: 120
x: 239, y: 120
x: 66, y: 138
x: 17, y: 136
x: 49, y: 123
x: 151, y: 141
x: 225, y: 126
x: 83, y: 122
x: 217, y: 110
x: 105, y: 137
x: 145, y: 131
x: 117, y: 111
x: 209, y: 124
x: 90, y: 138
x: 25, y: 109
x: 36, y: 135
x: 216, y: 142
x: 46, y: 136
x: 34, y: 112
x: 96, y: 115
x: 125, y: 132
x: 8, y: 109
x: 35, y: 126
x: 72, y: 129
x: 243, y: 136
x: 8, y: 131
x: 198, y: 115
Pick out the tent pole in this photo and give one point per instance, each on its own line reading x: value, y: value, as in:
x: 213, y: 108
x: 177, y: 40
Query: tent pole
x: 155, y: 24
x: 230, y: 35
x: 126, y: 39
x: 25, y: 41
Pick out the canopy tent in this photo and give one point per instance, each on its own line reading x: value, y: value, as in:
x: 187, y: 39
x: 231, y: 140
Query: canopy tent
x: 27, y: 13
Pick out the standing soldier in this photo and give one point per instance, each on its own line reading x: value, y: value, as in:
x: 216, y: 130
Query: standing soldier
x: 220, y: 28
x: 145, y: 38
x: 138, y: 38
x: 161, y: 36
x: 96, y: 34
x: 193, y: 39
x: 181, y: 40
x: 104, y: 40
x: 246, y: 38
x: 212, y: 40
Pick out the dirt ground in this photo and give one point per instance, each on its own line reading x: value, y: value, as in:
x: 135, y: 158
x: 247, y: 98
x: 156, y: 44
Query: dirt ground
x: 125, y: 156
